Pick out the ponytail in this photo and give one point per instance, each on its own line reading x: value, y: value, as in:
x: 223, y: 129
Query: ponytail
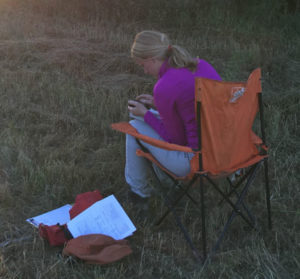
x: 178, y: 57
x: 153, y: 44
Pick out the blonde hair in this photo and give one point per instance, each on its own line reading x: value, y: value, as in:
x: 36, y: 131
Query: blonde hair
x: 154, y: 44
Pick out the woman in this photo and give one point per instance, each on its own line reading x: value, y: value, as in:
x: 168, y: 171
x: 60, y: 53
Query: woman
x: 173, y: 97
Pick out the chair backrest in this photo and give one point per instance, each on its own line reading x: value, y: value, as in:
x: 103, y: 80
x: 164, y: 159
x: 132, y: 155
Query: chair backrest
x: 227, y: 113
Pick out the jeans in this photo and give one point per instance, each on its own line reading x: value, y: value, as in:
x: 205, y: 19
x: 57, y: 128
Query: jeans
x: 136, y: 168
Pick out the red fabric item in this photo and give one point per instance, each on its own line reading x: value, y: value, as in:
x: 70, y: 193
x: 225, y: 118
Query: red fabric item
x: 97, y: 249
x: 54, y: 234
x: 83, y: 201
x: 94, y: 248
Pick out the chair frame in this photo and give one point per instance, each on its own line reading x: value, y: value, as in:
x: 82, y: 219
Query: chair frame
x: 236, y: 207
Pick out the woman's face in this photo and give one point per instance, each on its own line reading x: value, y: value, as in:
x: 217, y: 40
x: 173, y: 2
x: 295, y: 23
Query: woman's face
x: 151, y: 66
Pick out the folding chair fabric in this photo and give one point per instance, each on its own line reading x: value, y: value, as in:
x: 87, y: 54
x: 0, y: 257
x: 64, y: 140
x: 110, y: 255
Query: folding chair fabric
x: 228, y: 142
x: 228, y: 110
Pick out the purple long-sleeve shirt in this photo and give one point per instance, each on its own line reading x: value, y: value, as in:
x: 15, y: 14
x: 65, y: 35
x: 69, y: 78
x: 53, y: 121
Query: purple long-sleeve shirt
x: 174, y: 98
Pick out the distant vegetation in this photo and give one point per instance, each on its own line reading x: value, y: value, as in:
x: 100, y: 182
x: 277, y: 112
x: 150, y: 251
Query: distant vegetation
x: 66, y: 74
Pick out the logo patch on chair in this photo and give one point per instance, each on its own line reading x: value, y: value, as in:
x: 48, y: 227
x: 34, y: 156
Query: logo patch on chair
x: 236, y: 93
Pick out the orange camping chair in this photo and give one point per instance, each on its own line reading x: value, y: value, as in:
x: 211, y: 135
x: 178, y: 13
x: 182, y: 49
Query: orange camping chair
x: 225, y: 113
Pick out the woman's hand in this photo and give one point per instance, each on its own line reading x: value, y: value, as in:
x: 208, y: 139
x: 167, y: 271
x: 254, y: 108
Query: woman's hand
x: 146, y: 99
x: 136, y: 108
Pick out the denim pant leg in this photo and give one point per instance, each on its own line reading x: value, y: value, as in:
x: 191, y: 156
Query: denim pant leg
x: 136, y: 167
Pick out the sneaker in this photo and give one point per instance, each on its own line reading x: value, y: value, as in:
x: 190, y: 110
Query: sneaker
x: 140, y: 205
x: 137, y: 200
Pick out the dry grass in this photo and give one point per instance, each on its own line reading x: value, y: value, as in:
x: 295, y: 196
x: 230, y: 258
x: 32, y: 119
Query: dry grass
x: 66, y: 74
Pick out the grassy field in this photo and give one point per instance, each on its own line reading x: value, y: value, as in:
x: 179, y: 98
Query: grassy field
x: 66, y: 74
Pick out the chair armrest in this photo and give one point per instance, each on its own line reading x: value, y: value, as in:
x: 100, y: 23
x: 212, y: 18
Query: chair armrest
x: 125, y: 127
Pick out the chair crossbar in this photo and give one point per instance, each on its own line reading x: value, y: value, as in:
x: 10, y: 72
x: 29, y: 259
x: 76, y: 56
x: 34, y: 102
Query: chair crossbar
x: 184, y: 191
x: 234, y: 207
x: 178, y: 199
x: 234, y: 212
x: 247, y: 210
x: 236, y: 185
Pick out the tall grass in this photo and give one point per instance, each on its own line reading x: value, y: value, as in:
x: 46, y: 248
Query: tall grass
x: 66, y: 74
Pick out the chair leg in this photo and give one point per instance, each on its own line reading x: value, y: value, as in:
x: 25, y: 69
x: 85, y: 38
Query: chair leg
x: 203, y: 218
x: 178, y: 222
x: 268, y: 192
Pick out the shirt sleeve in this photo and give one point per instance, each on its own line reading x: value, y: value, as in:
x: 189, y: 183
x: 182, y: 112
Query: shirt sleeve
x: 157, y: 125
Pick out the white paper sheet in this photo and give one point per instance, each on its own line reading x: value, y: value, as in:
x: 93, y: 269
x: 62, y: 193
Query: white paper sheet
x: 59, y: 215
x: 104, y: 217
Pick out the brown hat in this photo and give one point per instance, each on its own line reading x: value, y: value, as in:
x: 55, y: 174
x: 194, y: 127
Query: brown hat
x: 97, y: 248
